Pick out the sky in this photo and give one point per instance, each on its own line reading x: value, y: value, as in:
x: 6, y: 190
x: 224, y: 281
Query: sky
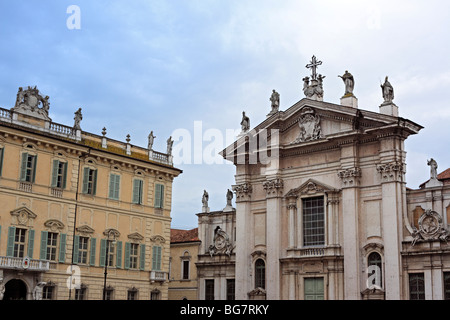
x: 191, y: 67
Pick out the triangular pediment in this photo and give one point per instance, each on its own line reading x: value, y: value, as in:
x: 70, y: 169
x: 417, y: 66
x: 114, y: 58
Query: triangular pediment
x: 23, y: 215
x: 310, y: 187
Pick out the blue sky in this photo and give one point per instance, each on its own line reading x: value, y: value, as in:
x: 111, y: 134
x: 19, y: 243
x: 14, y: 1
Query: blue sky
x: 135, y: 66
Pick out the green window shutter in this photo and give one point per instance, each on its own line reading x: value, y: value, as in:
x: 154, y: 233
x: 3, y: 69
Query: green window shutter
x: 142, y: 257
x: 114, y: 186
x: 2, y: 151
x: 137, y: 191
x: 102, y: 252
x: 127, y: 255
x: 64, y: 175
x: 111, y: 185
x: 159, y: 195
x: 30, y: 243
x: 76, y: 247
x: 156, y: 258
x: 34, y: 168
x: 93, y: 247
x: 117, y: 187
x: 23, y: 167
x: 43, y: 250
x: 85, y: 180
x: 94, y: 183
x: 119, y: 254
x: 62, y: 248
x: 55, y: 173
x: 10, y: 246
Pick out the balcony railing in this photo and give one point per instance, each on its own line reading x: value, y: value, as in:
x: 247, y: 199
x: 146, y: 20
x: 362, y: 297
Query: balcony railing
x: 24, y: 264
x: 158, y: 276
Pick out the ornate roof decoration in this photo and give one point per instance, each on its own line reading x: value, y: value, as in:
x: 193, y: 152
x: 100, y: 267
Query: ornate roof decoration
x: 28, y: 101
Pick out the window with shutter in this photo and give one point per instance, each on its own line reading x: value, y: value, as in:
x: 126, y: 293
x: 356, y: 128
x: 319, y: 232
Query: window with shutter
x: 28, y: 167
x: 59, y: 173
x: 89, y: 181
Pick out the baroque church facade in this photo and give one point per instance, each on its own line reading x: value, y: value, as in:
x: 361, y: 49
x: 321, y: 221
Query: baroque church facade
x: 322, y: 208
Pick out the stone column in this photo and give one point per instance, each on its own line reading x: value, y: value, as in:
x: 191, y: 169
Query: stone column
x: 350, y: 209
x: 392, y: 212
x: 274, y: 189
x: 243, y: 264
x: 350, y: 177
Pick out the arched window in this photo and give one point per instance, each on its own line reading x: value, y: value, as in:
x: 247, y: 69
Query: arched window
x: 374, y: 273
x: 260, y: 274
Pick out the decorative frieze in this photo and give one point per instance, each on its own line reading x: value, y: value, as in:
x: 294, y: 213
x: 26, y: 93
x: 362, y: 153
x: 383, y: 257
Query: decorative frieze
x: 350, y: 177
x: 392, y: 171
x: 273, y: 187
x: 243, y: 191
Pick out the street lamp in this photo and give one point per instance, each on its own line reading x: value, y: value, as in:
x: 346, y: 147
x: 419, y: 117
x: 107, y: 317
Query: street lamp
x: 108, y: 243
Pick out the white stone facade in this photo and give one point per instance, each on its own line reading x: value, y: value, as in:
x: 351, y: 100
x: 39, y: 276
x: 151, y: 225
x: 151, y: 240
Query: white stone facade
x: 330, y: 214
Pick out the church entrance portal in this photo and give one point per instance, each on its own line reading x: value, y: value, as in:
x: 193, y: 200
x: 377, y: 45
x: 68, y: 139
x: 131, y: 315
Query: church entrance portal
x: 15, y: 289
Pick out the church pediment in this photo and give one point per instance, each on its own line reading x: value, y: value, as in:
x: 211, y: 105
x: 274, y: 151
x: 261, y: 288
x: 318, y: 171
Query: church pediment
x: 310, y: 187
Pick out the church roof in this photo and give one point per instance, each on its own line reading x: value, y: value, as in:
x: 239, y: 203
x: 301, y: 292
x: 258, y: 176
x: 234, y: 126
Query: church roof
x: 179, y: 235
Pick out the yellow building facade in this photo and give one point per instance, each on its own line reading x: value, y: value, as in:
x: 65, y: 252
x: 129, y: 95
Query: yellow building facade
x: 184, y: 250
x: 76, y: 205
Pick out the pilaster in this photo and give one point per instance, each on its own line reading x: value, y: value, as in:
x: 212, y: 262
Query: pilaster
x: 243, y: 228
x: 274, y: 188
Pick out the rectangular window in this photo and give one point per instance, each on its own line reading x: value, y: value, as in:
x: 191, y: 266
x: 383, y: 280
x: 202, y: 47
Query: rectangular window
x: 28, y: 167
x: 134, y: 254
x: 132, y: 295
x: 83, y: 249
x: 59, y: 174
x: 159, y: 196
x: 111, y: 253
x: 446, y: 285
x: 416, y: 286
x: 89, y: 181
x: 230, y: 289
x: 137, y: 191
x: 51, y: 246
x: 313, y: 289
x: 209, y: 289
x: 80, y: 294
x: 313, y: 222
x: 114, y: 186
x: 47, y: 293
x: 19, y: 243
x: 185, y: 269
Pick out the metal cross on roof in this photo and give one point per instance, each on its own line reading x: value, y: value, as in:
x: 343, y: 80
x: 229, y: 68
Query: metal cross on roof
x: 313, y: 66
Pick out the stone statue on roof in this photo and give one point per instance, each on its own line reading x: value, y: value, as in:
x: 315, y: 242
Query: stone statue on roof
x: 349, y: 83
x: 78, y: 117
x: 387, y: 91
x: 245, y: 123
x: 275, y: 101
